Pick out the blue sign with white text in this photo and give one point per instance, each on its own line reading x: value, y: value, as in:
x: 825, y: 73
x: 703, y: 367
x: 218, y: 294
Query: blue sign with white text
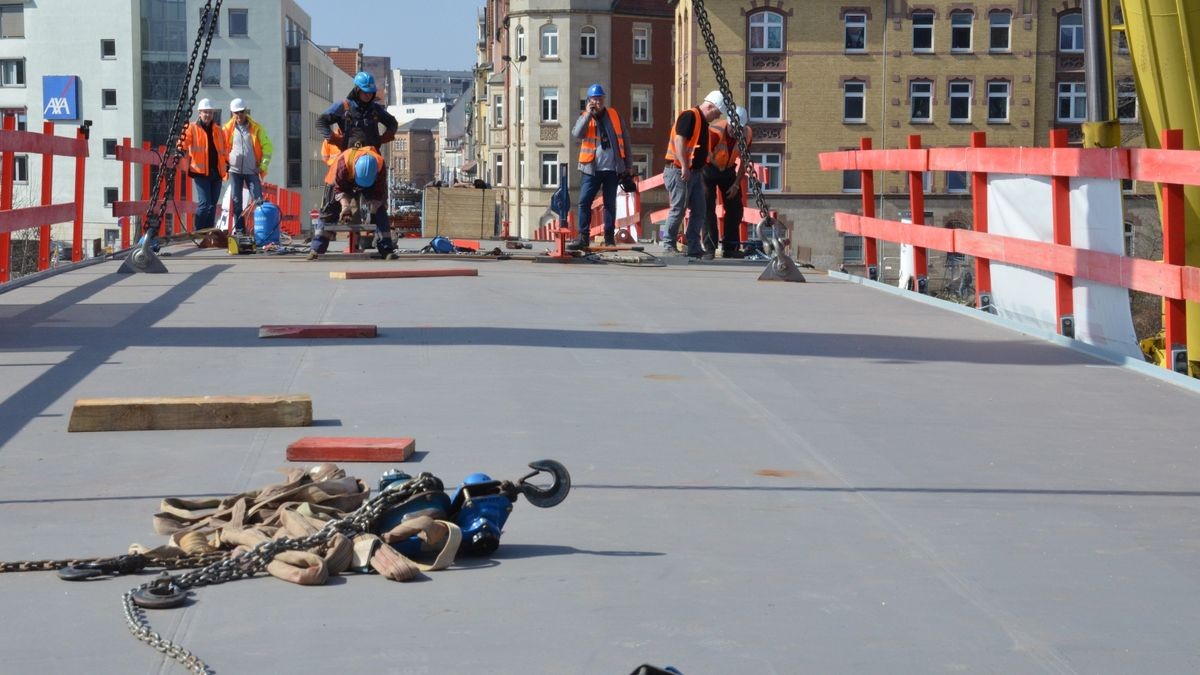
x: 60, y: 97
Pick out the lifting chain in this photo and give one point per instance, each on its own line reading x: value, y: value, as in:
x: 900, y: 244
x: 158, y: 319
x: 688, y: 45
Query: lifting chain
x: 782, y: 267
x: 255, y: 560
x: 178, y: 563
x: 164, y: 177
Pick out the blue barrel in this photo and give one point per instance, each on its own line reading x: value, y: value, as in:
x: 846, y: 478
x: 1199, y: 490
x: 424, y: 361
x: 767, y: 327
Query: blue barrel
x: 266, y: 224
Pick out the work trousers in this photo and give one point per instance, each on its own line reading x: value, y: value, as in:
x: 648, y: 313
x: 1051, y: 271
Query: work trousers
x: 730, y: 238
x: 684, y: 195
x: 208, y: 191
x: 601, y: 180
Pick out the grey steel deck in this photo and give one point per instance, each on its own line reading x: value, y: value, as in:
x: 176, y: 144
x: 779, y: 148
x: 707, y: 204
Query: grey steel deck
x: 769, y: 478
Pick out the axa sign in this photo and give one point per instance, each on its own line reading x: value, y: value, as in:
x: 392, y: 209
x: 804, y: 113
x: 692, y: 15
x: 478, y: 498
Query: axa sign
x: 60, y: 97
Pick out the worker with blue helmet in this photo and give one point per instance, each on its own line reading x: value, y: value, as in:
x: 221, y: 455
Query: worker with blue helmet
x: 604, y: 158
x: 358, y: 117
x: 358, y: 177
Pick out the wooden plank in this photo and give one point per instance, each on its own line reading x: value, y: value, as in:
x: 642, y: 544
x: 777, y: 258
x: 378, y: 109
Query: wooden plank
x: 327, y: 449
x: 351, y: 330
x: 190, y: 412
x: 404, y: 274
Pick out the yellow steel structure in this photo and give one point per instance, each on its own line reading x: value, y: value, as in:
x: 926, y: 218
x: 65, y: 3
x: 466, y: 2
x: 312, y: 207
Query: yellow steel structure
x: 1164, y: 45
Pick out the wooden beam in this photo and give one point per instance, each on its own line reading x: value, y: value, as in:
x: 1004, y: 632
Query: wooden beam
x: 403, y: 274
x: 190, y: 412
x: 319, y: 331
x: 327, y: 449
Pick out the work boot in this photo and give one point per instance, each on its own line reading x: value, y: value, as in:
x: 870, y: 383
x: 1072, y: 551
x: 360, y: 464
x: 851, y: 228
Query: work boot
x: 708, y: 255
x: 732, y: 254
x: 313, y: 256
x: 579, y: 245
x: 391, y: 255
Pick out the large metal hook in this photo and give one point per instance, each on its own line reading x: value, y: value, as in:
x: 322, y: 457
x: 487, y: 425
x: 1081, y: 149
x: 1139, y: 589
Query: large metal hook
x: 546, y: 497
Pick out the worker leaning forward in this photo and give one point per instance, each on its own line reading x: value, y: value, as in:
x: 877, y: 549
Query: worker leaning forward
x: 687, y: 153
x: 208, y: 155
x: 357, y: 177
x: 724, y: 173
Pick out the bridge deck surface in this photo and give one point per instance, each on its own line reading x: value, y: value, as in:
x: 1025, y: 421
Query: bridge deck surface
x: 769, y: 478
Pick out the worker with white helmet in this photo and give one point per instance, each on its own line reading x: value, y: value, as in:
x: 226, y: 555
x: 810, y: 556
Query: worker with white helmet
x: 249, y: 158
x: 687, y: 154
x: 724, y: 173
x: 208, y: 153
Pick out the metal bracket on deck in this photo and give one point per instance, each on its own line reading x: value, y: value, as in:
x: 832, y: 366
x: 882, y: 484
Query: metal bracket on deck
x: 781, y: 267
x: 143, y: 259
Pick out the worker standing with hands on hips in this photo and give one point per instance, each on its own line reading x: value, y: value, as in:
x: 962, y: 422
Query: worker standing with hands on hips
x: 249, y: 158
x: 603, y: 157
x: 208, y: 154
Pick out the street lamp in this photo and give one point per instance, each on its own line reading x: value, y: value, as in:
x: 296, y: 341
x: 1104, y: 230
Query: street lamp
x: 520, y: 122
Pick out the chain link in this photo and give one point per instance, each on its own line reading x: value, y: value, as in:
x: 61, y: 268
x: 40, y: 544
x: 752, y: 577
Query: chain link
x: 165, y: 175
x: 253, y: 561
x: 179, y: 563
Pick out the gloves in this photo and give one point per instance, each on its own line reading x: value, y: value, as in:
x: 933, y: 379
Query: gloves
x: 348, y: 213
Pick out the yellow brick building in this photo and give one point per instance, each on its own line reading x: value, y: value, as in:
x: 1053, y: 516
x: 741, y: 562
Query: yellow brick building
x: 819, y: 75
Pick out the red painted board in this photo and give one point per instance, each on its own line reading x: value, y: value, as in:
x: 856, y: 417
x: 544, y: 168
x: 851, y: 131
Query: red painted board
x: 318, y: 331
x: 328, y: 449
x: 403, y: 274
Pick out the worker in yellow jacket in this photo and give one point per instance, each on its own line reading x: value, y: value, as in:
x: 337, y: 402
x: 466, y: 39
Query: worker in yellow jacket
x: 249, y: 158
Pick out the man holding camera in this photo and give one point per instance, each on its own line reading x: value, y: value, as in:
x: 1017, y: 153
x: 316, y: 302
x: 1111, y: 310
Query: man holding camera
x: 603, y: 158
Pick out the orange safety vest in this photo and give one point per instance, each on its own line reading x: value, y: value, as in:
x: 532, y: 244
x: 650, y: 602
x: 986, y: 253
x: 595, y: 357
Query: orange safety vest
x: 195, y: 144
x: 587, y: 147
x: 345, y: 162
x: 722, y: 148
x: 332, y: 147
x: 692, y: 143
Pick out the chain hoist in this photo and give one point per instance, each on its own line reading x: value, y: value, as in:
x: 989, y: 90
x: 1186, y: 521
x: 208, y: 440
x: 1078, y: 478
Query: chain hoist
x: 142, y: 258
x: 776, y: 236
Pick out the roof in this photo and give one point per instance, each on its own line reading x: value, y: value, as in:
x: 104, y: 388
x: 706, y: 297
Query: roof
x: 420, y: 124
x: 644, y: 7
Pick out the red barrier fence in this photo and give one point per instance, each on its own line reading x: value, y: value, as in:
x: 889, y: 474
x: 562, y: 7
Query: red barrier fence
x: 181, y: 206
x: 1170, y: 167
x: 48, y: 145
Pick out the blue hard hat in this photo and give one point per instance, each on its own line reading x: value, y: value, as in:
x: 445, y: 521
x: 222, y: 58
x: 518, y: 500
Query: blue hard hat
x: 595, y: 90
x: 365, y: 82
x: 365, y: 171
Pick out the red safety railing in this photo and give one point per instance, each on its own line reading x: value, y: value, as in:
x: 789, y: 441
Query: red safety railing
x: 289, y: 203
x: 181, y: 207
x: 660, y: 216
x: 1170, y: 167
x: 49, y: 146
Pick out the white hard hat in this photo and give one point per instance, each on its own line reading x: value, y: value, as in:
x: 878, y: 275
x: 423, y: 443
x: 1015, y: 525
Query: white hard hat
x: 716, y: 98
x: 742, y: 115
x: 205, y: 104
x: 237, y: 105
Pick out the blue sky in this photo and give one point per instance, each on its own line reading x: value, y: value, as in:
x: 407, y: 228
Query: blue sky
x: 434, y: 34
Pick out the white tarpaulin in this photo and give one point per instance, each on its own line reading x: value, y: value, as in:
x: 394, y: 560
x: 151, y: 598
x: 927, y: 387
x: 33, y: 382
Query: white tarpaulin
x: 1020, y: 206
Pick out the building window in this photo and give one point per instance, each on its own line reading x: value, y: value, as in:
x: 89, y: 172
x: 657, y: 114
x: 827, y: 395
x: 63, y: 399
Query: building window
x: 997, y: 101
x: 640, y: 113
x: 549, y: 42
x: 766, y: 32
x: 854, y: 102
x: 766, y: 101
x: 587, y: 42
x: 239, y: 23
x: 498, y: 169
x: 294, y: 176
x: 1070, y: 32
x: 926, y: 182
x: 550, y: 169
x: 960, y: 101
x: 498, y: 110
x: 239, y: 73
x: 851, y: 181
x: 12, y: 72
x: 108, y: 49
x: 20, y: 169
x: 108, y: 98
x: 772, y: 162
x: 520, y: 46
x: 212, y: 73
x: 957, y: 182
x: 640, y: 159
x: 12, y: 21
x: 1128, y: 186
x: 1128, y: 230
x: 1072, y: 101
x: 1000, y: 31
x: 852, y: 249
x: 920, y: 95
x: 1127, y: 101
x: 549, y: 104
x: 110, y: 196
x: 110, y: 148
x: 856, y: 32
x: 641, y: 43
x: 960, y: 31
x: 922, y: 31
x: 215, y: 21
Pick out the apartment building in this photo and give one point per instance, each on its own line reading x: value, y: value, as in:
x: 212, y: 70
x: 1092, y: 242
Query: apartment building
x: 819, y: 75
x: 542, y: 57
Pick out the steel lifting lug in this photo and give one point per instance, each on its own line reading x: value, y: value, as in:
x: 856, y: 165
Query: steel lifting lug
x: 546, y: 497
x: 125, y: 564
x: 162, y: 593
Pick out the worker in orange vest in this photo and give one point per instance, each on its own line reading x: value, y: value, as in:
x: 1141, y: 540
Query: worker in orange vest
x: 687, y: 153
x: 603, y: 157
x: 357, y: 177
x: 724, y: 172
x: 208, y: 154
